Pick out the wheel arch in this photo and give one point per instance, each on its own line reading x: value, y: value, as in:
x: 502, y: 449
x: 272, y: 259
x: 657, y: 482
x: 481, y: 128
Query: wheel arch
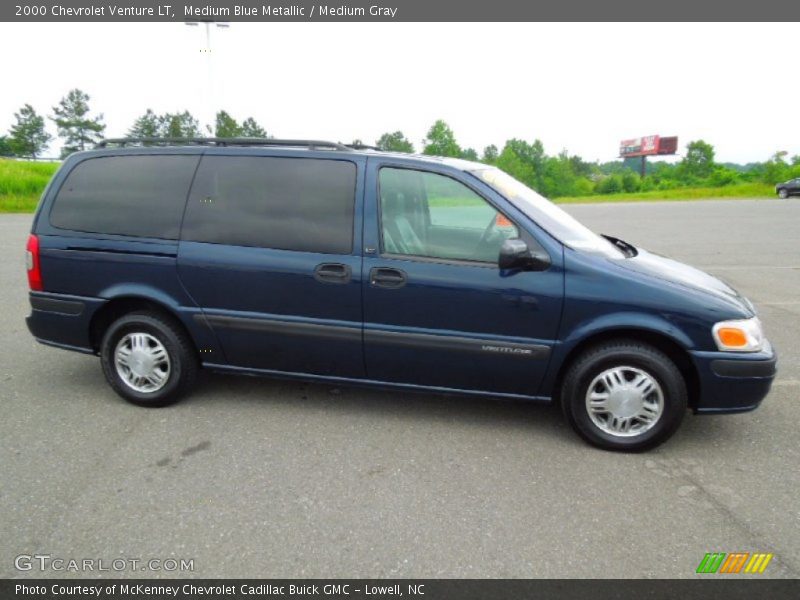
x: 658, y: 339
x: 120, y: 306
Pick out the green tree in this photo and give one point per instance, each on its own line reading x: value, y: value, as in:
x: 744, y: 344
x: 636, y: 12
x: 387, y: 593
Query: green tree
x: 699, y: 159
x: 226, y: 126
x: 559, y: 179
x: 776, y: 168
x: 441, y: 141
x: 580, y: 167
x: 610, y: 185
x: 723, y: 176
x: 527, y: 159
x: 75, y: 124
x: 179, y: 125
x: 490, y: 154
x: 631, y: 182
x: 27, y: 136
x: 469, y: 154
x: 168, y: 125
x: 250, y: 128
x: 516, y: 165
x: 5, y: 147
x: 149, y: 125
x: 394, y: 142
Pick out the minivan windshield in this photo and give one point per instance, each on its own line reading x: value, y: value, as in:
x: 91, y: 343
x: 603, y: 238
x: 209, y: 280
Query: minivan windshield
x: 547, y: 215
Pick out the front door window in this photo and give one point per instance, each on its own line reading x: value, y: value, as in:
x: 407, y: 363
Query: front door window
x: 434, y: 216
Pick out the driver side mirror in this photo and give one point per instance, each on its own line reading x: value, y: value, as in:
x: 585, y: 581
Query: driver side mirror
x: 515, y: 254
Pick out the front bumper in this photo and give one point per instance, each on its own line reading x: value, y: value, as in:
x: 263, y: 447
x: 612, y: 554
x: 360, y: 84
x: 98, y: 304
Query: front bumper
x: 731, y: 382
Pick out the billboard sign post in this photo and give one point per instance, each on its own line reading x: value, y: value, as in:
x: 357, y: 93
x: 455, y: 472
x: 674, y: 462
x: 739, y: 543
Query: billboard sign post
x: 649, y: 145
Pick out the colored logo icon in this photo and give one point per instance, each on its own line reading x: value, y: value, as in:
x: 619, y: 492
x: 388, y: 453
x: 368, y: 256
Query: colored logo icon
x: 734, y: 562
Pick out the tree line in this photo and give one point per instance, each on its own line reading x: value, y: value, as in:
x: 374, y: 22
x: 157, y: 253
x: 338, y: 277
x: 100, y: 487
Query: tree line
x: 80, y: 129
x: 563, y: 174
x: 553, y: 176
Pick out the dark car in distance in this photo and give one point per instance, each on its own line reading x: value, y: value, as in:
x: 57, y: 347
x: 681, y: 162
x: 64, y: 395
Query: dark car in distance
x: 323, y: 262
x: 788, y: 188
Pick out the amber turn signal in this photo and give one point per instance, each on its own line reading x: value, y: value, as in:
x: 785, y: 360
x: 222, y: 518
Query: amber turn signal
x: 740, y: 335
x: 735, y: 338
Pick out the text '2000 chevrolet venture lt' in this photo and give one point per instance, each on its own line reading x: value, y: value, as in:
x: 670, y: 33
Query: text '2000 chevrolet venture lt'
x: 325, y: 262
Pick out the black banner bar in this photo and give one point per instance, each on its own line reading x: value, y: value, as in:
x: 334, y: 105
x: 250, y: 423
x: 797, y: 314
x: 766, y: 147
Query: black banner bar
x: 710, y: 587
x: 400, y: 10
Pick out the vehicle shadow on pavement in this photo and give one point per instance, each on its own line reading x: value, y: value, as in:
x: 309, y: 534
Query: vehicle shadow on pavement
x: 538, y: 418
x: 216, y: 388
x: 222, y: 391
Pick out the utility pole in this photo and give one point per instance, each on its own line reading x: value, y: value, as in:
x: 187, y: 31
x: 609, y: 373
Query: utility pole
x: 209, y: 95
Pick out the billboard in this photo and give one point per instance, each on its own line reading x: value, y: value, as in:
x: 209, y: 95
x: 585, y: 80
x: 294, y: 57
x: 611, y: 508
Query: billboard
x: 648, y: 145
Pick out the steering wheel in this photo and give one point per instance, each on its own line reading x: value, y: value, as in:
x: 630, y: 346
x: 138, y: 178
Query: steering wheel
x: 486, y: 237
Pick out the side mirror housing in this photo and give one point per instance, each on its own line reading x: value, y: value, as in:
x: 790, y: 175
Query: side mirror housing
x: 515, y: 254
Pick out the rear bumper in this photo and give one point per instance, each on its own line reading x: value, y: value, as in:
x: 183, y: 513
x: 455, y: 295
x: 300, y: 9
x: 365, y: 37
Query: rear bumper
x: 731, y: 383
x: 62, y: 320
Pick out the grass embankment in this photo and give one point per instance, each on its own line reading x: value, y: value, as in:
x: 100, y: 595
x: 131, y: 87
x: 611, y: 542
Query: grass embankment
x: 739, y: 190
x: 21, y: 184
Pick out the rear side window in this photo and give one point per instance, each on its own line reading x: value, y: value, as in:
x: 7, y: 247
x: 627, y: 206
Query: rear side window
x: 300, y: 204
x: 141, y: 196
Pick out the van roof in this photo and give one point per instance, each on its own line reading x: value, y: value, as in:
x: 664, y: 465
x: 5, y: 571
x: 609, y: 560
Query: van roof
x: 117, y: 144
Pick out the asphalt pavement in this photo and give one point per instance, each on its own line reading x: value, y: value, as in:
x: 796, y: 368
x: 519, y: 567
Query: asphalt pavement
x: 254, y: 477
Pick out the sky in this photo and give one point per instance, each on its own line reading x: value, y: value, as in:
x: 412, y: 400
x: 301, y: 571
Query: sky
x: 579, y: 87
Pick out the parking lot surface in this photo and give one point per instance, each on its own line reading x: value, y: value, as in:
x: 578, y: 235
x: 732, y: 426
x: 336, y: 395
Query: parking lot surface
x: 254, y: 477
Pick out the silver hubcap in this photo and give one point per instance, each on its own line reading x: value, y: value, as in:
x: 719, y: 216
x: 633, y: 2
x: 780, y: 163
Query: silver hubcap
x: 142, y: 362
x: 624, y: 401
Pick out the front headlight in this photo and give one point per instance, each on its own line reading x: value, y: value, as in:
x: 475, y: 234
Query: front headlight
x: 744, y: 335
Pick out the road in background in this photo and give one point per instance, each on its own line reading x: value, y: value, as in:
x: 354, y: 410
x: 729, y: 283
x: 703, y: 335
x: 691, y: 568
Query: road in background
x: 262, y: 478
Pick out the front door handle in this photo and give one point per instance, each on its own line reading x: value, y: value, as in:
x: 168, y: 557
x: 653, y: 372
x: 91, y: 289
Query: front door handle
x: 387, y: 278
x: 332, y: 273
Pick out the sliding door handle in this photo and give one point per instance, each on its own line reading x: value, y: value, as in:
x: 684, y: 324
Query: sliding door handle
x: 332, y: 273
x: 387, y: 278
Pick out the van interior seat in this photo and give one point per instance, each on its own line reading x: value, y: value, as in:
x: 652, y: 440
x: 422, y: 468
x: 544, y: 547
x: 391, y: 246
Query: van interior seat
x: 399, y: 234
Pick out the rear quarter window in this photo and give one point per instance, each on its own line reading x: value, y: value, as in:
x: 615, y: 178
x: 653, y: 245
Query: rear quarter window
x: 141, y: 196
x: 300, y: 204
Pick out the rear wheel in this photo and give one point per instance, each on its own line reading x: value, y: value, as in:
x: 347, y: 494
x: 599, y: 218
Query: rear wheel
x: 147, y: 359
x: 783, y: 193
x: 624, y: 395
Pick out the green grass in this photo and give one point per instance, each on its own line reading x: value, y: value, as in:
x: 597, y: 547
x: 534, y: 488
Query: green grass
x: 448, y: 201
x: 739, y: 190
x: 21, y: 184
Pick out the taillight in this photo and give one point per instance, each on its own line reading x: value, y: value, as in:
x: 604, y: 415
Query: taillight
x: 32, y: 263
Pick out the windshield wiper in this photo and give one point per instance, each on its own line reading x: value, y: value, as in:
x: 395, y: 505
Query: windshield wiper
x: 627, y: 249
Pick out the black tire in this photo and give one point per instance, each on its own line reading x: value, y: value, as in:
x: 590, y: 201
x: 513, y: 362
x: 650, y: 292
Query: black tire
x: 637, y: 358
x: 183, y: 364
x: 783, y: 194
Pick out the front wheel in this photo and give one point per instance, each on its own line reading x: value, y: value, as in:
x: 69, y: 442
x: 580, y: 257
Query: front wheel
x: 783, y: 194
x: 624, y: 395
x: 147, y: 359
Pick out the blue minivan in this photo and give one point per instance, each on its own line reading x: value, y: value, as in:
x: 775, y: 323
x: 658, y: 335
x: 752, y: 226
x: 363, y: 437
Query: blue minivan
x: 341, y: 264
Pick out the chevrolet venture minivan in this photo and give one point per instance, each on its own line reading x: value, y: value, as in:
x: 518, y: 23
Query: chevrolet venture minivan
x: 339, y: 264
